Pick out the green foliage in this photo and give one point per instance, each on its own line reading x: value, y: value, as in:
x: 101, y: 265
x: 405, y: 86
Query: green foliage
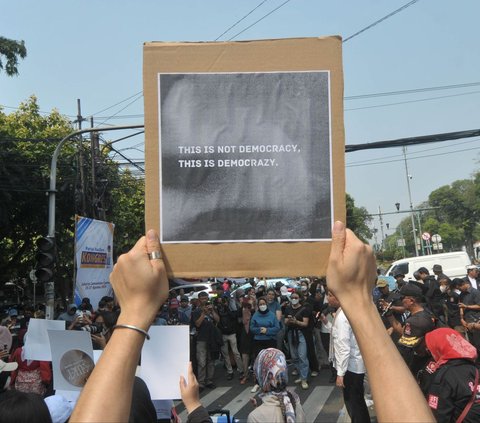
x: 128, y: 213
x: 458, y: 210
x: 358, y: 219
x: 25, y: 156
x: 11, y: 50
x: 28, y: 140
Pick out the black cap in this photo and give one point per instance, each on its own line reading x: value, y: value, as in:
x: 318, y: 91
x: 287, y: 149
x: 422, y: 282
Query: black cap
x: 456, y: 282
x: 423, y: 270
x: 397, y: 274
x: 437, y: 268
x: 411, y: 290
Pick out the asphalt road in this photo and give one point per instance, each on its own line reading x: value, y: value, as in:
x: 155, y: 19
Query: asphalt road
x: 322, y: 401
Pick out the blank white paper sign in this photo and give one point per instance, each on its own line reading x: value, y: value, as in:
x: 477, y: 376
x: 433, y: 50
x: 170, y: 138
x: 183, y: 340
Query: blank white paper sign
x: 37, y: 344
x: 164, y: 358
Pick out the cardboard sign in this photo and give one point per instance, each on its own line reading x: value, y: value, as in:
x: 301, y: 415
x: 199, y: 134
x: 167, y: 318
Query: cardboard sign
x: 244, y: 155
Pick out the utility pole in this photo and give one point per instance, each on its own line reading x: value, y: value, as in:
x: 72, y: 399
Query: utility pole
x: 410, y: 199
x: 382, y: 245
x: 94, y: 147
x: 80, y: 161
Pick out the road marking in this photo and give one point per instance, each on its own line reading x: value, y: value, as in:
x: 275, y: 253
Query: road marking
x: 208, y: 399
x: 315, y: 402
x: 239, y: 401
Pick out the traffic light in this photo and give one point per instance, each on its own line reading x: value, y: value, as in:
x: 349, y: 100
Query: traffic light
x: 45, y: 258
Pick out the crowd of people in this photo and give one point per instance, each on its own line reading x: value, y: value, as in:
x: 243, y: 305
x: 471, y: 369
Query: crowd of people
x: 264, y: 336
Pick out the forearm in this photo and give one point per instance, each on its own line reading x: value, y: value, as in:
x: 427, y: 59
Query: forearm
x: 112, y: 380
x: 379, y: 352
x: 396, y: 326
x: 200, y: 319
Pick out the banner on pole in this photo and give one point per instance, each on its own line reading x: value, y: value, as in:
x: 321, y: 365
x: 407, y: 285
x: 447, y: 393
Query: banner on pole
x: 93, y: 259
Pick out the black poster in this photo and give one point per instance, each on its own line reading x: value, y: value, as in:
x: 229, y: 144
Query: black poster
x: 245, y: 157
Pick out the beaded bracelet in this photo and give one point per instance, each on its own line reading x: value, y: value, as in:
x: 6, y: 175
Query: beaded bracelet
x: 143, y: 332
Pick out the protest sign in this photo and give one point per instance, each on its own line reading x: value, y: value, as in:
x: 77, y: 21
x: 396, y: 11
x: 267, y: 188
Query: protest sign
x: 37, y: 345
x: 164, y: 358
x: 72, y: 358
x: 244, y: 155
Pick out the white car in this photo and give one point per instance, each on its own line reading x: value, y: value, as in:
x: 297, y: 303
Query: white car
x: 192, y: 290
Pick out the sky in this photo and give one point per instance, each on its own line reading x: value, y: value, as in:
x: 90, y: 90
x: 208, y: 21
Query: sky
x: 92, y: 51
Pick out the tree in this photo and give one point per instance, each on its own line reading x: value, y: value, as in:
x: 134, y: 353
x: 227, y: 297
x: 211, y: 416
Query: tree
x: 128, y: 212
x: 11, y: 50
x: 28, y: 140
x: 458, y: 205
x: 358, y: 219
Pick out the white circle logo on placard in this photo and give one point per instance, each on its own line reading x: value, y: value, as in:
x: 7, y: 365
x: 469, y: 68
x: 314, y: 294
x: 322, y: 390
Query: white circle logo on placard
x: 76, y: 367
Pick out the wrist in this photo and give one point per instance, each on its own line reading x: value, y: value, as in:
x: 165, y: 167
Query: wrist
x: 192, y: 406
x: 135, y: 320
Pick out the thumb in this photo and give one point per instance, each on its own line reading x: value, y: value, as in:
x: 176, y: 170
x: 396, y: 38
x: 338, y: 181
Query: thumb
x: 153, y: 244
x: 338, y: 241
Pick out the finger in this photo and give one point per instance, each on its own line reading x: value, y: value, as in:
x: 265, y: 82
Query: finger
x: 338, y: 240
x: 153, y: 244
x: 182, y: 384
x: 191, y: 376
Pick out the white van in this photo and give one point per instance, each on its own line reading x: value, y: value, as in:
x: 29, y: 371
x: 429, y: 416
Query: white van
x: 453, y: 264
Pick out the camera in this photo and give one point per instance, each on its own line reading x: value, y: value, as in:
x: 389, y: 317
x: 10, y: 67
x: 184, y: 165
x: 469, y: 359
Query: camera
x: 93, y: 328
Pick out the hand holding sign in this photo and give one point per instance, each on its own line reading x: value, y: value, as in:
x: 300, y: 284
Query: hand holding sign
x: 351, y: 267
x: 140, y: 283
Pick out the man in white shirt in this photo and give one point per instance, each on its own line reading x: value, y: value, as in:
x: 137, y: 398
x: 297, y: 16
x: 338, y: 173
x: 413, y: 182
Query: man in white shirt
x: 472, y: 276
x: 347, y: 360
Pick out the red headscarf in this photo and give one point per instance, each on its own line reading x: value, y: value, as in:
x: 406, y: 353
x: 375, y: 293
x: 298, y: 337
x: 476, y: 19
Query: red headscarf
x: 447, y: 344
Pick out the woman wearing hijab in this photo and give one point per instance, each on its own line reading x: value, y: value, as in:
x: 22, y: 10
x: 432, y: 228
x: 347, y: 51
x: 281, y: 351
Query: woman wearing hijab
x: 279, y: 405
x: 451, y: 381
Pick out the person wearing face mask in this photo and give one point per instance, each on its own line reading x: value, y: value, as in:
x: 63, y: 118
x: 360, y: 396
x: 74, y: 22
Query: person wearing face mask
x: 297, y: 319
x: 264, y: 326
x: 451, y: 295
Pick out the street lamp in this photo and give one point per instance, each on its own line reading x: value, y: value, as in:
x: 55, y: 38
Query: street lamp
x: 410, y: 199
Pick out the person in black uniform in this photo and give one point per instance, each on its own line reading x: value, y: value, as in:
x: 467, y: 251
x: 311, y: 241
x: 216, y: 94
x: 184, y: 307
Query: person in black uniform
x: 450, y: 381
x: 390, y: 303
x: 411, y: 343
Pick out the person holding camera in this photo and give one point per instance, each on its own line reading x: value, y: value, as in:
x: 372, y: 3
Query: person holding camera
x: 296, y: 320
x: 228, y: 327
x: 205, y: 317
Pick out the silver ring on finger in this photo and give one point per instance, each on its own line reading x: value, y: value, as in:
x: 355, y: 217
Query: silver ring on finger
x: 155, y: 255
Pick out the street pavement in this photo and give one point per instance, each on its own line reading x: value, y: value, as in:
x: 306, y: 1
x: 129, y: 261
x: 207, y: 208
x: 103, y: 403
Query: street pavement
x: 322, y: 401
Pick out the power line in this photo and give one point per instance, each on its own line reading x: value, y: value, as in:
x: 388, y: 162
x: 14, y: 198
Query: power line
x: 110, y: 117
x: 424, y: 139
x: 411, y: 154
x: 381, y: 20
x: 240, y: 20
x: 415, y: 158
x: 412, y: 91
x: 411, y: 101
x: 261, y: 19
x: 116, y: 104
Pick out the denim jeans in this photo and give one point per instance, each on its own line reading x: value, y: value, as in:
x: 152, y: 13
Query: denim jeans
x: 299, y: 354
